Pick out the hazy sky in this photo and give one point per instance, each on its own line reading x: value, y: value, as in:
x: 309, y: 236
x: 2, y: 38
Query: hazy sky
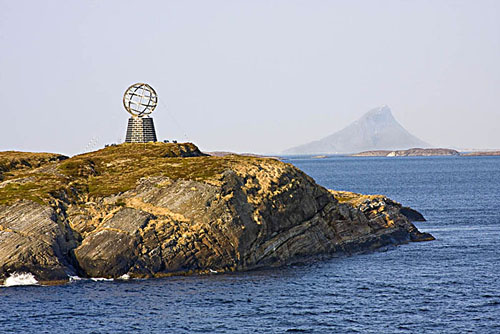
x: 255, y: 76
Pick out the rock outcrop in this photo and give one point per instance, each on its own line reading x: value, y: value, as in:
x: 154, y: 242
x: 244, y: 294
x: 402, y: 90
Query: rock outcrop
x: 163, y: 209
x: 33, y: 239
x: 14, y: 160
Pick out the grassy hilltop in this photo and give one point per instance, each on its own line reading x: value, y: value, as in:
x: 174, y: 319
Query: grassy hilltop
x: 114, y: 169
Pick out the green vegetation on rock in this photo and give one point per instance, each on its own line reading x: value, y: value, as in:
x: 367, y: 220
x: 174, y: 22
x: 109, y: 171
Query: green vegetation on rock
x: 108, y: 171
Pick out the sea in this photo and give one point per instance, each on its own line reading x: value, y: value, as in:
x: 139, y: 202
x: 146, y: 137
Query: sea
x: 450, y: 285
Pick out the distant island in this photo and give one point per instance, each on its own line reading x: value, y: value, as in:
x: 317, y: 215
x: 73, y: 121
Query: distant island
x: 221, y: 154
x: 423, y: 152
x: 158, y: 209
x: 375, y: 130
x: 481, y: 153
x: 226, y: 153
x: 413, y: 152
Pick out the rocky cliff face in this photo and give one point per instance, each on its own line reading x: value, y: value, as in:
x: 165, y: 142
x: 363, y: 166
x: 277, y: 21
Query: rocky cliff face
x: 163, y: 209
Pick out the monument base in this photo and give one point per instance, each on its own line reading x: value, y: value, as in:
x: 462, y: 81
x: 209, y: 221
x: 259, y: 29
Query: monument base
x: 140, y: 130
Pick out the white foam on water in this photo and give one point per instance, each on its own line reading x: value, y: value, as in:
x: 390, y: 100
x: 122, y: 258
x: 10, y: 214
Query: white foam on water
x: 17, y: 279
x: 74, y: 278
x: 101, y: 279
x: 124, y: 277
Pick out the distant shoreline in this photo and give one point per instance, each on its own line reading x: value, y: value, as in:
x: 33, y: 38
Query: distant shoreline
x: 422, y: 152
x: 413, y: 152
x: 481, y: 154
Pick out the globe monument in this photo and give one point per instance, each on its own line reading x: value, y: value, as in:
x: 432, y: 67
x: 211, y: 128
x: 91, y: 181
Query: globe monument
x: 140, y: 100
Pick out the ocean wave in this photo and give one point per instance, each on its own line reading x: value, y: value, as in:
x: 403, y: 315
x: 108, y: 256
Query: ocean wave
x: 74, y: 278
x: 101, y: 279
x: 17, y: 279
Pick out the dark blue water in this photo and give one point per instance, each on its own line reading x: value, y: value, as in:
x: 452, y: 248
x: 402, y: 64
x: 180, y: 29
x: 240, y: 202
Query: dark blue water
x: 451, y: 285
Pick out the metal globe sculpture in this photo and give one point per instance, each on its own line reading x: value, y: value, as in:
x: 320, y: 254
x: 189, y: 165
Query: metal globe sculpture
x: 140, y: 100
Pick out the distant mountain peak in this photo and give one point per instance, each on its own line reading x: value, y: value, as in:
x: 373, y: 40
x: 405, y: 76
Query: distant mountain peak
x: 375, y: 130
x: 381, y: 113
x: 383, y: 109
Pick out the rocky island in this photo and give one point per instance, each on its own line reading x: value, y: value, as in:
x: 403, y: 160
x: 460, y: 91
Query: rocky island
x: 412, y: 152
x: 424, y: 152
x: 157, y: 209
x: 481, y: 154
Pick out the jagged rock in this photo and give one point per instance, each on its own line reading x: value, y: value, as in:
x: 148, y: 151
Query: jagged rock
x: 412, y: 215
x: 32, y: 240
x: 111, y: 249
x: 168, y: 215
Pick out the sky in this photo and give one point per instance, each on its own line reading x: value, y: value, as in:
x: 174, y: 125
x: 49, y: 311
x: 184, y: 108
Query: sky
x: 247, y: 76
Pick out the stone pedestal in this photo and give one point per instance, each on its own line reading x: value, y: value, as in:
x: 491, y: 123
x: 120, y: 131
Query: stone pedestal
x: 140, y: 130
